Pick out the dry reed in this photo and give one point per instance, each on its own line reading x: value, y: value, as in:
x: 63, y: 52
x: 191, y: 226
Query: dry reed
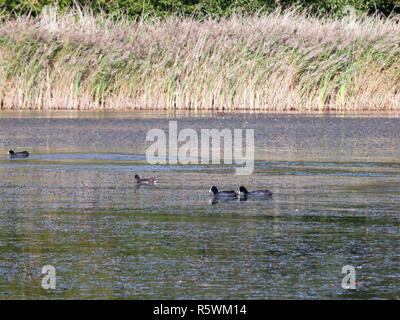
x: 277, y: 62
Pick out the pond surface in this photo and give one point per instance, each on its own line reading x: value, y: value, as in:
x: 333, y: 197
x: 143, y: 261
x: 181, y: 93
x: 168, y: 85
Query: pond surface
x: 74, y: 204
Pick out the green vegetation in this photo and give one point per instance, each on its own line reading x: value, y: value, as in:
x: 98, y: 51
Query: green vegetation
x: 278, y: 61
x: 203, y: 8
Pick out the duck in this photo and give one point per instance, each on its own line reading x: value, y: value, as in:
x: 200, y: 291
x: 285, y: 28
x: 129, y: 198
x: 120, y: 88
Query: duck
x: 22, y: 154
x: 254, y: 194
x: 145, y: 181
x: 223, y: 194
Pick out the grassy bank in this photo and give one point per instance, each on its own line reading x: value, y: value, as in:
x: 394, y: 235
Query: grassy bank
x: 280, y: 61
x: 202, y: 8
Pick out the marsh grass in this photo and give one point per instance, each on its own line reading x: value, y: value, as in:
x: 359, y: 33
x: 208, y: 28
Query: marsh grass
x: 281, y: 61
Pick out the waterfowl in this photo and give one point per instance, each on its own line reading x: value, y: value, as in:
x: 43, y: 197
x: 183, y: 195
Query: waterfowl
x: 23, y: 154
x: 254, y: 194
x: 145, y: 181
x: 222, y: 194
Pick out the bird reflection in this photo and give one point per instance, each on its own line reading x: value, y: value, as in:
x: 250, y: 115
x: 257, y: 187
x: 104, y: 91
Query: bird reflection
x: 215, y: 200
x: 144, y: 186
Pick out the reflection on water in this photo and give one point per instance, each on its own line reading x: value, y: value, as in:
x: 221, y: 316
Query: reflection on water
x: 75, y: 204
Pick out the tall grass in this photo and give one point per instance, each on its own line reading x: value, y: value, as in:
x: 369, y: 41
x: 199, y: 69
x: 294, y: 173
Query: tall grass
x: 280, y: 61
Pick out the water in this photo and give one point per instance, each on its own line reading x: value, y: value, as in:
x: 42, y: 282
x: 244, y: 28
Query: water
x: 74, y: 204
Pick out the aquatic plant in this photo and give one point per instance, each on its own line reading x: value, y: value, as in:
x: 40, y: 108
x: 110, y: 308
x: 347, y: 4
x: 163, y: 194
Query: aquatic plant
x: 278, y: 61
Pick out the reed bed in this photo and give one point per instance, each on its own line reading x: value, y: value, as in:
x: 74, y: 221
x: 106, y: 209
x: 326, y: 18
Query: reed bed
x: 276, y: 62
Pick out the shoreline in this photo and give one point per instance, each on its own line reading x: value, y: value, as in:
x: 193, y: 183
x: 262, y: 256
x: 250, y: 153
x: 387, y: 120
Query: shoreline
x: 162, y: 114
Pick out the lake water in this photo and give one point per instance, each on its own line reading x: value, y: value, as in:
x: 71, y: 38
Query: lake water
x: 74, y: 204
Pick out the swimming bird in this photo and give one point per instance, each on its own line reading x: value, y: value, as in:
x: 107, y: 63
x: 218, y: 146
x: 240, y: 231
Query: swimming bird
x: 23, y: 154
x: 145, y: 181
x: 254, y: 194
x: 223, y: 194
